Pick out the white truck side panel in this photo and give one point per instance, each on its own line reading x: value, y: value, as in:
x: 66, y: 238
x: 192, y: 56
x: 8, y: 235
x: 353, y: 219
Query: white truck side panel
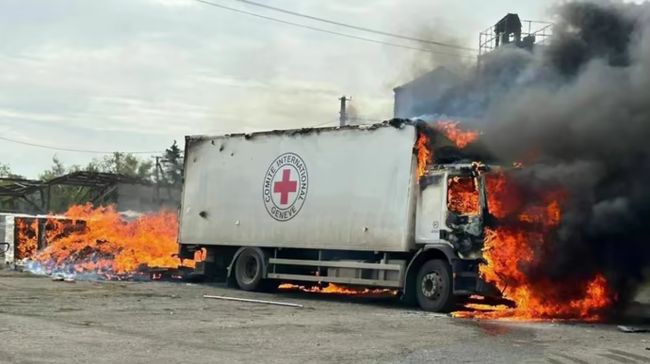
x: 360, y: 190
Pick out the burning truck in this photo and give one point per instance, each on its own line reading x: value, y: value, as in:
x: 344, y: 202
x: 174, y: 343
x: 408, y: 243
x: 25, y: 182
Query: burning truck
x: 358, y: 205
x: 395, y: 206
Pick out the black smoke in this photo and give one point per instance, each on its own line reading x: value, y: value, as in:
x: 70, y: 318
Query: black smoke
x: 578, y: 115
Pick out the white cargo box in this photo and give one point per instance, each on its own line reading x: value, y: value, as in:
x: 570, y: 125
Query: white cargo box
x: 350, y: 188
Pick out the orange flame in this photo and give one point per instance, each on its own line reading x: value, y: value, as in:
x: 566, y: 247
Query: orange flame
x: 463, y: 197
x: 513, y: 248
x: 106, y: 243
x: 336, y: 289
x: 481, y: 310
x: 462, y: 138
x: 425, y: 157
x: 26, y: 238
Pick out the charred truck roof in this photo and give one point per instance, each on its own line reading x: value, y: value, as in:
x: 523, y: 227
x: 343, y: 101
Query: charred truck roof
x: 445, y: 151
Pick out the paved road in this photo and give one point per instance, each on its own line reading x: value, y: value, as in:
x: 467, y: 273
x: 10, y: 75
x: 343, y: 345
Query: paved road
x: 42, y: 321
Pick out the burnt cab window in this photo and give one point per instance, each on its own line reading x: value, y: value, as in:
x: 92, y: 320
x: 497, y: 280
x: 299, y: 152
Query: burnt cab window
x: 463, y: 196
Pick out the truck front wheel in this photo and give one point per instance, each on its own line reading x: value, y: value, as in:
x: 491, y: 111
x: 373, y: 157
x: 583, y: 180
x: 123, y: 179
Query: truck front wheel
x: 433, y: 286
x: 249, y: 269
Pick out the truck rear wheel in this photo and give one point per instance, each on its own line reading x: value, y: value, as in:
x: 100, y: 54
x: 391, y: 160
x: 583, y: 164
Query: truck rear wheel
x: 433, y: 286
x: 249, y: 269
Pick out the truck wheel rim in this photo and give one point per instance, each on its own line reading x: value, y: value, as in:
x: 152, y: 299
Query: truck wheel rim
x: 250, y: 269
x: 431, y: 285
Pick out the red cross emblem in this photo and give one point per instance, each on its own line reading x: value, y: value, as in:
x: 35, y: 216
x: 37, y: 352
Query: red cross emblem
x: 285, y: 187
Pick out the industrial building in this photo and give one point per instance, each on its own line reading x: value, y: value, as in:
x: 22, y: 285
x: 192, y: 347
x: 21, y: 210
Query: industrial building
x: 442, y: 93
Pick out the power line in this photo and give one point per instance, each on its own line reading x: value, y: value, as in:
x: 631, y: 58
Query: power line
x: 63, y: 149
x: 394, y: 35
x: 66, y: 149
x: 329, y: 31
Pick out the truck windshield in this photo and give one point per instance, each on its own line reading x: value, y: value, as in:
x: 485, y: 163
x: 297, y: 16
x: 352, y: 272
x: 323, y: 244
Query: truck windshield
x: 463, y: 196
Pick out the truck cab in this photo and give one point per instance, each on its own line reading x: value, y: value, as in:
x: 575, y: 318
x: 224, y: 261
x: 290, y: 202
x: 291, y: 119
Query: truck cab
x: 452, y: 209
x: 449, y: 228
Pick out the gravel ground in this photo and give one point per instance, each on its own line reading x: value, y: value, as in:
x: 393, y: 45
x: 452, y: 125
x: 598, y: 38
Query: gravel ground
x: 42, y: 321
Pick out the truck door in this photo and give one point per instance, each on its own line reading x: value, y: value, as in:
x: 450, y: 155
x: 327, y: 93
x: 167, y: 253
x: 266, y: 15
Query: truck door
x: 431, y: 209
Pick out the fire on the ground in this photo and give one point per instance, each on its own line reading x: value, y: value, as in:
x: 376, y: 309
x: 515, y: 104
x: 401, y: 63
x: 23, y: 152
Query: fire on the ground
x: 99, y: 242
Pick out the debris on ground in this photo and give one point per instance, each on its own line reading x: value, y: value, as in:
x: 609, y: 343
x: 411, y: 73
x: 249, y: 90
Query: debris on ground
x: 633, y: 329
x: 254, y: 301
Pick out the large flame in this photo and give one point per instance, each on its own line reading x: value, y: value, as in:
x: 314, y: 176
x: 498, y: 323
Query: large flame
x: 517, y: 244
x: 425, y: 157
x: 463, y: 196
x: 26, y: 237
x: 451, y: 130
x: 101, y: 241
x: 462, y: 138
x: 516, y: 247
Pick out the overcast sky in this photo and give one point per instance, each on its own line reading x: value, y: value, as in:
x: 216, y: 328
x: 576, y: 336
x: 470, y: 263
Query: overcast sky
x: 133, y: 75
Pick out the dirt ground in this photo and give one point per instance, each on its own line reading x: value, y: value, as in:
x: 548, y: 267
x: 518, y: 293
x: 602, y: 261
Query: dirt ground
x: 42, y: 321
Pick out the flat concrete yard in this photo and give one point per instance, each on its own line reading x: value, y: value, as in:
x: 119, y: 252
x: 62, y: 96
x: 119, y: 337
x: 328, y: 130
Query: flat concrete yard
x: 42, y: 321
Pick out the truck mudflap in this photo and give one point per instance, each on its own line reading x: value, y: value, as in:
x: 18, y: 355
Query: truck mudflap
x: 466, y: 276
x: 468, y: 281
x: 487, y: 289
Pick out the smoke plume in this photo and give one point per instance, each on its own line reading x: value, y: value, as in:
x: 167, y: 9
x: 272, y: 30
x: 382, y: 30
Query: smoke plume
x: 577, y: 114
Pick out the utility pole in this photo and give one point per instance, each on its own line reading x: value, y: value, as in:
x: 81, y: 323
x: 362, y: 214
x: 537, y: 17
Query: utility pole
x: 344, y: 113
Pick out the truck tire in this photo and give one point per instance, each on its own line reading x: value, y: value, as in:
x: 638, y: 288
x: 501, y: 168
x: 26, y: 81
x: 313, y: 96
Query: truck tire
x: 249, y: 269
x: 433, y: 286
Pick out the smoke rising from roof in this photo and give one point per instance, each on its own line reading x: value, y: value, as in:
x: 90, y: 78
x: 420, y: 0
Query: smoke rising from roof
x: 578, y: 115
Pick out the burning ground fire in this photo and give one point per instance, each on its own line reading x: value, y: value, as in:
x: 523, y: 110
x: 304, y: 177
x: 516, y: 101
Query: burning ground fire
x: 335, y: 289
x: 516, y: 244
x: 100, y: 242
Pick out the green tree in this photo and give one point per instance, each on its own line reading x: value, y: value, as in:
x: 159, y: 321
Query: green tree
x: 172, y: 163
x: 5, y: 172
x: 62, y: 197
x: 58, y: 169
x: 124, y: 164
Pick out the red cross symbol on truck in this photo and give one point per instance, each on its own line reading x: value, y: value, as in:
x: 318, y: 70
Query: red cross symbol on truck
x: 285, y: 186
